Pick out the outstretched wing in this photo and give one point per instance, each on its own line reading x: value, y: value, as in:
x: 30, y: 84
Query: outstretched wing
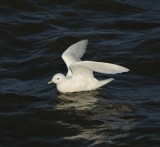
x: 74, y: 53
x: 106, y: 68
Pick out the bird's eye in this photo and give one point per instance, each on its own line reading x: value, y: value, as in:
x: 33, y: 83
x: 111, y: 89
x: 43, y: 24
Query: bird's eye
x: 57, y: 78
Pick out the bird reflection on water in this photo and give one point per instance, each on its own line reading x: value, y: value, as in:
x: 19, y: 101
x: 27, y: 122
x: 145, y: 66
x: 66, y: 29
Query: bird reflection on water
x: 97, y: 117
x: 78, y: 101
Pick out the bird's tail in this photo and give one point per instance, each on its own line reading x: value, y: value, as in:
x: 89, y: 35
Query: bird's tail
x: 104, y: 82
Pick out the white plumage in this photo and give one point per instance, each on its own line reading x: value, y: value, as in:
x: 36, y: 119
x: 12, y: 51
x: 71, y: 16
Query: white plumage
x: 80, y: 73
x: 74, y: 54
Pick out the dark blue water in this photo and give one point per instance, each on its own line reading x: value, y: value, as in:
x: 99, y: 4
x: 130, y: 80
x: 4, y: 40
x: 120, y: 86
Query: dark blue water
x: 34, y: 34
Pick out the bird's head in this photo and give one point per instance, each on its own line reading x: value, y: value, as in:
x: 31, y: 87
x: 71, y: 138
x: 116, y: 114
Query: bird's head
x: 57, y: 78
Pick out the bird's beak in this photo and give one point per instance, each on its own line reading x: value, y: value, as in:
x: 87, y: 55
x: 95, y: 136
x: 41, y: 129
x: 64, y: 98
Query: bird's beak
x: 50, y: 82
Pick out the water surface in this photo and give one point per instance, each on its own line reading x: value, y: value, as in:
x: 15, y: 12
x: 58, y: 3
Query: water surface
x: 34, y: 33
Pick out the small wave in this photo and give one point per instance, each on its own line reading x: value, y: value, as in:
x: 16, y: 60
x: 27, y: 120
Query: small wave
x: 108, y: 6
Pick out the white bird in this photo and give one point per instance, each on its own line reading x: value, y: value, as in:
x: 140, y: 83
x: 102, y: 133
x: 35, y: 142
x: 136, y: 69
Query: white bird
x: 80, y: 73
